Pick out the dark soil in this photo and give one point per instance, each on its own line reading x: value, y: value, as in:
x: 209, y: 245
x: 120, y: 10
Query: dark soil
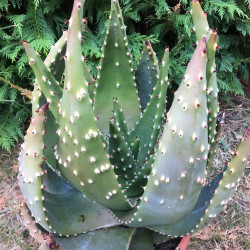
x: 169, y: 245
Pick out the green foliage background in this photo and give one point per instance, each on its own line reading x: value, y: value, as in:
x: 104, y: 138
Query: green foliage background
x: 164, y: 22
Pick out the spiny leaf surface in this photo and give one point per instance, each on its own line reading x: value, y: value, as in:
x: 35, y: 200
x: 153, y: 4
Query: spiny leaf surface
x: 115, y: 77
x: 47, y: 83
x: 30, y: 168
x: 86, y: 164
x: 181, y: 158
x: 67, y: 206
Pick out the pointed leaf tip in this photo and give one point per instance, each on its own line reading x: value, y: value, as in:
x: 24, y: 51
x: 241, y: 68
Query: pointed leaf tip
x: 44, y: 108
x: 85, y: 20
x: 147, y: 43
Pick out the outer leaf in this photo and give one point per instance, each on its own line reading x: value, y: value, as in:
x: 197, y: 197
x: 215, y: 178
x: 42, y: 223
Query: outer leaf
x: 179, y: 169
x: 47, y: 83
x: 105, y: 239
x: 116, y: 78
x: 188, y: 223
x: 81, y: 152
x: 214, y: 196
x: 70, y: 213
x: 30, y: 170
x: 228, y: 184
x: 60, y: 204
x: 55, y: 62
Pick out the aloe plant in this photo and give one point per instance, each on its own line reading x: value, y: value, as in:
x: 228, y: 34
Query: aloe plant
x: 115, y: 170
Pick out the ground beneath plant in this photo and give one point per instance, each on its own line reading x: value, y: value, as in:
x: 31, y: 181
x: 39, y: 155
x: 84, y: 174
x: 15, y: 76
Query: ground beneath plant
x: 230, y: 230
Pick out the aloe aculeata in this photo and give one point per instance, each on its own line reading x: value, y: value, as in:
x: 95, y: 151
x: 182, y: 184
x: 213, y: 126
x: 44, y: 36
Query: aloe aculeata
x: 97, y: 156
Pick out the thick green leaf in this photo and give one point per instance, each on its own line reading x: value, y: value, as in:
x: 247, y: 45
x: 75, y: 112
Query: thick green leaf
x: 105, y: 239
x: 115, y: 77
x: 80, y: 151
